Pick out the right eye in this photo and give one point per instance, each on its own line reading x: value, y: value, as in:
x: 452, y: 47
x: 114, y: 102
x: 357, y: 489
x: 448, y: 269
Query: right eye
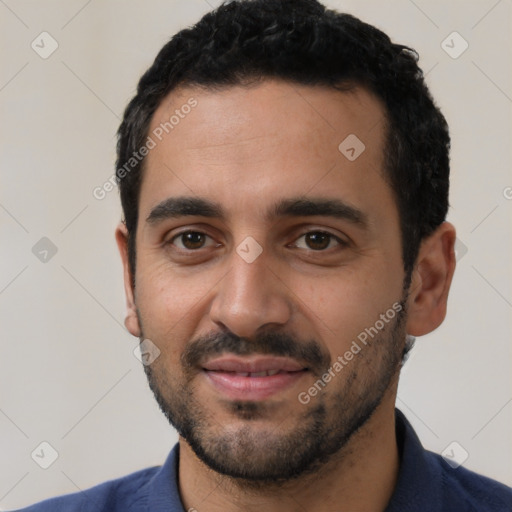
x: 189, y: 240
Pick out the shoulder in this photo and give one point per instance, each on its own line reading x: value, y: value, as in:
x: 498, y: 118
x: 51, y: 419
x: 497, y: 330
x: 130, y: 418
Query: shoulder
x: 461, y: 486
x: 427, y: 481
x: 127, y: 493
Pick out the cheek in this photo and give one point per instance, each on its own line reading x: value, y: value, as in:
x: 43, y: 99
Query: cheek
x: 347, y: 303
x: 173, y: 305
x: 165, y: 304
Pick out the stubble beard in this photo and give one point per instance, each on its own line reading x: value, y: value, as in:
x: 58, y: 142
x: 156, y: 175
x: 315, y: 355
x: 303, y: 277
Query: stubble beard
x: 256, y: 457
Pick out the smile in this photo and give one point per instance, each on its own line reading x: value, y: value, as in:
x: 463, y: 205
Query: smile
x: 254, y: 378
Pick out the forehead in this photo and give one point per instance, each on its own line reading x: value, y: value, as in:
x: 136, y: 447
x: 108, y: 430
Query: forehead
x: 224, y: 115
x: 247, y: 144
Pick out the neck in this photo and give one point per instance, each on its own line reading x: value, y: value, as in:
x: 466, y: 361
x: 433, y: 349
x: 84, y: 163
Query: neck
x: 361, y: 476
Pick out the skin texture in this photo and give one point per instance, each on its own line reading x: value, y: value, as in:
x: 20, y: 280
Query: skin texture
x: 246, y: 148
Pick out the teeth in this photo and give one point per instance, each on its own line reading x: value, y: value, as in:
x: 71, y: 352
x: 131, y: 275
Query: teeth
x: 259, y: 374
x: 264, y: 373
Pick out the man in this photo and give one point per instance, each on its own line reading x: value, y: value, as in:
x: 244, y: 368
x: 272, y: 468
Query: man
x: 284, y: 178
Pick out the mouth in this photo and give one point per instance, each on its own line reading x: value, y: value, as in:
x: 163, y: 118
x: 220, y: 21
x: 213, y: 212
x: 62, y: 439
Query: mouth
x: 255, y: 378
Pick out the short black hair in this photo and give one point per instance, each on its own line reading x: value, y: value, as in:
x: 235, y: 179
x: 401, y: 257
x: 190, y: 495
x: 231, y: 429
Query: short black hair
x: 302, y: 42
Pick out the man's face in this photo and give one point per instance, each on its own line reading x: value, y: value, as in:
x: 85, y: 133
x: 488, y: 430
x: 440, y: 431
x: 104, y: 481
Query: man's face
x: 269, y: 289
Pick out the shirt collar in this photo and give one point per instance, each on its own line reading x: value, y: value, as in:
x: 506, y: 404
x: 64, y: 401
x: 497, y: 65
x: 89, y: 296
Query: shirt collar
x: 164, y: 495
x: 418, y: 485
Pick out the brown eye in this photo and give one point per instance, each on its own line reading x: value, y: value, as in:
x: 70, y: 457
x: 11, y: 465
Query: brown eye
x: 318, y: 240
x: 190, y: 240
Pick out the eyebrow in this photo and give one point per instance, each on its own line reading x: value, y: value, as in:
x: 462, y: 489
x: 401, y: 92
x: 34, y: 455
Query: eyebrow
x: 183, y: 206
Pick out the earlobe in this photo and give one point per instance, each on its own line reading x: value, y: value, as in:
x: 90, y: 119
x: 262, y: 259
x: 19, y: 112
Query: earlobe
x: 131, y: 320
x: 432, y: 277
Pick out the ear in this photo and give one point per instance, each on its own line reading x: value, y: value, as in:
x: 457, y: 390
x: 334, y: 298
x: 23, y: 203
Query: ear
x: 431, y: 280
x: 131, y: 320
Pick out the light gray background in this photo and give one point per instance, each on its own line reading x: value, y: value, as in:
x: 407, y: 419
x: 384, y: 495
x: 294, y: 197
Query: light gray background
x: 68, y: 375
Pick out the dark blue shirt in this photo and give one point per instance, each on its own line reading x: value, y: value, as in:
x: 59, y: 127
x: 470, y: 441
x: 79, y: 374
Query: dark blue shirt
x: 426, y: 483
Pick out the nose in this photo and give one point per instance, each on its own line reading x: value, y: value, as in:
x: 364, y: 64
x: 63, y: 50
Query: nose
x: 251, y: 296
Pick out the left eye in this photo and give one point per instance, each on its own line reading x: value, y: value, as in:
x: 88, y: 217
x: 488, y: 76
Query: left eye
x: 318, y: 240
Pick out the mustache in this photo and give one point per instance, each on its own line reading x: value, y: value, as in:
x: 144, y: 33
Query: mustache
x: 271, y: 343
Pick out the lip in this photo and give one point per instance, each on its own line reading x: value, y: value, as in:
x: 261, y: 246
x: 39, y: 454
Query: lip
x: 231, y: 376
x: 253, y: 364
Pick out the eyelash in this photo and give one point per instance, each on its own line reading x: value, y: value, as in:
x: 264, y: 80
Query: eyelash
x: 341, y: 243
